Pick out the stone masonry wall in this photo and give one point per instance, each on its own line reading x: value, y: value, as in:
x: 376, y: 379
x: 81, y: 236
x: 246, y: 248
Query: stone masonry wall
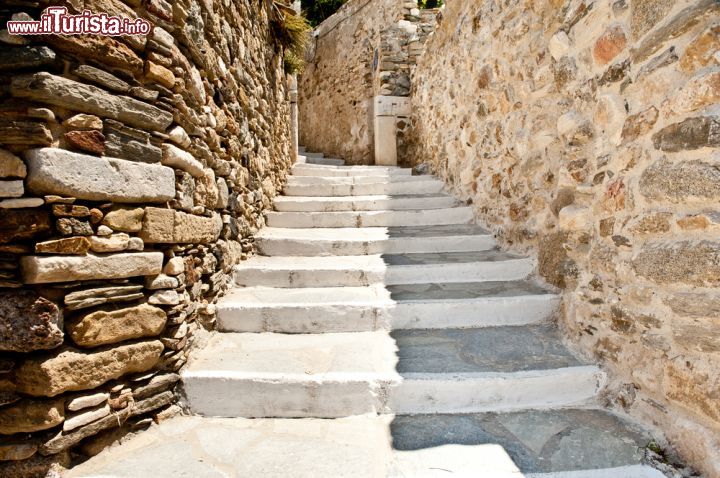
x: 337, y: 86
x: 133, y: 174
x: 588, y: 131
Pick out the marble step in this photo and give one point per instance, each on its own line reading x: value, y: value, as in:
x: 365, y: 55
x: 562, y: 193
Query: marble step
x: 489, y: 369
x: 323, y: 187
x: 362, y: 203
x: 565, y: 443
x: 273, y: 241
x: 318, y: 170
x: 570, y: 443
x: 388, y: 269
x: 429, y: 217
x: 362, y: 309
x: 291, y: 376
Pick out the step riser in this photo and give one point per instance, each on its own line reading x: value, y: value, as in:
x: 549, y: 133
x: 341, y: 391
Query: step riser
x: 263, y: 398
x: 434, y: 217
x: 490, y: 312
x: 403, y: 245
x: 319, y: 319
x: 453, y: 393
x: 424, y: 187
x: 470, y: 272
x: 337, y: 318
x: 438, y: 202
x: 320, y: 181
x: 248, y: 276
x: 252, y: 277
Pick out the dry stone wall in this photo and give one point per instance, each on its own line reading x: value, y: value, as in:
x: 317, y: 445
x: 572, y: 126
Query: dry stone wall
x: 344, y: 73
x: 588, y: 131
x: 133, y: 174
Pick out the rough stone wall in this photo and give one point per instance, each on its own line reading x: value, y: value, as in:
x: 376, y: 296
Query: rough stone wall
x: 133, y: 173
x: 588, y: 131
x: 337, y: 86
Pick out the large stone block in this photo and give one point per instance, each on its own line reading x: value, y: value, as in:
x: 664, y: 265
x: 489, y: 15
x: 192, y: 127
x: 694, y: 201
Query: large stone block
x: 73, y: 370
x: 28, y: 322
x: 56, y: 171
x: 165, y: 226
x: 59, y: 91
x: 683, y: 262
x: 681, y: 181
x: 109, y: 327
x: 45, y: 270
x: 31, y: 415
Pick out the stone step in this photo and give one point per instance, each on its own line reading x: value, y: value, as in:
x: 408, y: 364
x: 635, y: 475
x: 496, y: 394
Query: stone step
x: 357, y: 271
x: 381, y: 186
x: 361, y: 309
x: 320, y: 181
x: 362, y: 203
x: 430, y: 217
x: 509, y: 445
x: 318, y: 170
x: 324, y: 161
x: 313, y: 155
x: 272, y: 241
x: 291, y: 376
x: 566, y: 443
x: 489, y: 369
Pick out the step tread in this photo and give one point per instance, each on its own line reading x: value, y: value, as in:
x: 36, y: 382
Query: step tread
x: 371, y: 197
x: 358, y: 180
x: 299, y: 357
x: 466, y: 290
x: 486, y: 350
x: 538, y: 441
x: 416, y: 259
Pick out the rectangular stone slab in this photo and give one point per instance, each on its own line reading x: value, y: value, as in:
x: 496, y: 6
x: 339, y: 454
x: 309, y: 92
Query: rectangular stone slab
x: 45, y: 270
x: 61, y: 172
x: 75, y: 96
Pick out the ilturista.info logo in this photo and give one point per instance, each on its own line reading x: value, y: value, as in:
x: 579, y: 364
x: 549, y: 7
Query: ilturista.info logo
x: 57, y: 21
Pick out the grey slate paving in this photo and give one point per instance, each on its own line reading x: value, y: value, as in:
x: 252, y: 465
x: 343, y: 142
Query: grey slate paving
x: 465, y: 290
x: 493, y: 349
x: 538, y: 441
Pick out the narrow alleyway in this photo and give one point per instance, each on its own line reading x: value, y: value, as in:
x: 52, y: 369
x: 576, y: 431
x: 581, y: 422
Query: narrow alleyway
x: 404, y: 340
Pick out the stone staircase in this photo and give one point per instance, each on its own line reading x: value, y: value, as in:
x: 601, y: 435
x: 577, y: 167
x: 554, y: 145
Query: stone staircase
x: 375, y: 302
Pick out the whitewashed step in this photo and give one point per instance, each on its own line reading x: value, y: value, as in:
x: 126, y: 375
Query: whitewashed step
x: 291, y: 376
x: 355, y: 271
x: 273, y: 241
x: 319, y: 181
x: 430, y: 217
x: 362, y: 203
x: 491, y: 445
x: 362, y: 309
x: 318, y: 170
x: 380, y: 186
x: 490, y: 369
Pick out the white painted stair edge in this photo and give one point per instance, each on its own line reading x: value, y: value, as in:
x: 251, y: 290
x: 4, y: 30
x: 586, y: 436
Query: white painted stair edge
x: 355, y: 271
x: 273, y: 241
x: 420, y: 393
x: 360, y: 309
